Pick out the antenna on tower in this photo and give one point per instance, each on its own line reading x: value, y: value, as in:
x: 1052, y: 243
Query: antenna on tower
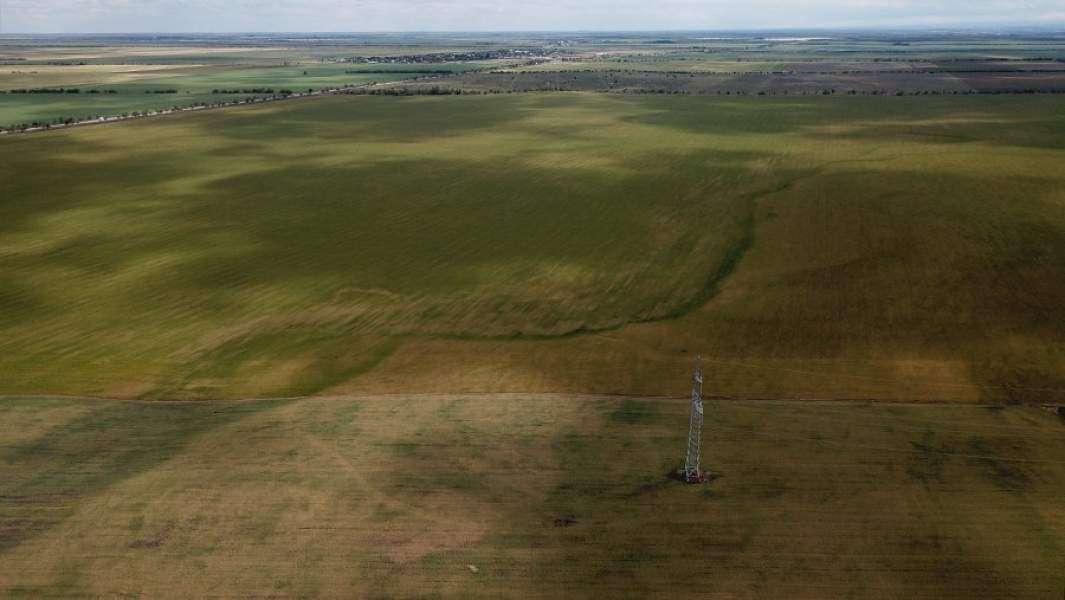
x: 692, y: 474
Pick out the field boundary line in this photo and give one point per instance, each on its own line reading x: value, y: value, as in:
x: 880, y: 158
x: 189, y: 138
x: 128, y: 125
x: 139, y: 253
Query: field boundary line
x: 518, y: 396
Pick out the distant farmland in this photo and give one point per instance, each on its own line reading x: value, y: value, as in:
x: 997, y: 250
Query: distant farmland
x: 881, y: 248
x: 111, y: 90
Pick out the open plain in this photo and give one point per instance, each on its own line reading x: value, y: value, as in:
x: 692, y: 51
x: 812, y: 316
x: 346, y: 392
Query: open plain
x: 527, y: 496
x: 432, y: 334
x: 873, y: 248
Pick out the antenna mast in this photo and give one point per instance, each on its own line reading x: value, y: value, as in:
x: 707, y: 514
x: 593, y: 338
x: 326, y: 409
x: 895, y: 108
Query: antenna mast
x: 695, y: 428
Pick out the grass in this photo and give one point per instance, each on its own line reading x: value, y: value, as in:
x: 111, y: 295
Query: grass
x: 19, y: 109
x: 544, y: 495
x: 378, y: 260
x: 90, y: 448
x: 884, y: 248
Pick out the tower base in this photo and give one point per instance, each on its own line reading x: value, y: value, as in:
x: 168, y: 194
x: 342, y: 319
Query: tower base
x: 697, y: 477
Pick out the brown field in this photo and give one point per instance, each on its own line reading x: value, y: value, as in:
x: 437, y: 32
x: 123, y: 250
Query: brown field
x: 544, y: 495
x: 31, y: 76
x: 116, y: 54
x: 807, y: 80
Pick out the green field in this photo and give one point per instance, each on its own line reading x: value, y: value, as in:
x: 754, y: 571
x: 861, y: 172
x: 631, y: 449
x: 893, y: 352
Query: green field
x: 545, y: 496
x: 205, y: 78
x: 881, y: 248
x: 192, y: 85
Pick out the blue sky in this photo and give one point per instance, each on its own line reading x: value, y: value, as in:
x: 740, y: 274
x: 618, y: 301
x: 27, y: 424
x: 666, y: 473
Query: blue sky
x: 91, y: 16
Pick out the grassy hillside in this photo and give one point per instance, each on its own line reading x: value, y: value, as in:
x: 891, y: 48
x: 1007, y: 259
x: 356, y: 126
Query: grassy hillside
x: 544, y: 496
x: 894, y: 248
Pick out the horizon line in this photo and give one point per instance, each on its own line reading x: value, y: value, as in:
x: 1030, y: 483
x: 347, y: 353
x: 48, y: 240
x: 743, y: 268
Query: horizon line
x: 961, y: 28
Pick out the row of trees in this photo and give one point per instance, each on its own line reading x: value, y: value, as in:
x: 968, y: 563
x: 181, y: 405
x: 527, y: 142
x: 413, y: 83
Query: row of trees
x: 404, y: 71
x: 413, y: 91
x: 458, y: 91
x: 75, y: 91
x: 255, y: 91
x: 46, y: 91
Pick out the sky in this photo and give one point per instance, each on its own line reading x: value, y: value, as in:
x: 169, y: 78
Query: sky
x: 135, y: 16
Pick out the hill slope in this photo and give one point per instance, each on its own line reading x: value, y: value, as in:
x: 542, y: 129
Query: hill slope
x: 895, y: 248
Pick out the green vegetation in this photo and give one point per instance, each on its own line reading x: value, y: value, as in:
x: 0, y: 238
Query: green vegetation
x: 176, y: 88
x: 117, y: 439
x: 462, y: 305
x: 828, y: 248
x: 544, y: 495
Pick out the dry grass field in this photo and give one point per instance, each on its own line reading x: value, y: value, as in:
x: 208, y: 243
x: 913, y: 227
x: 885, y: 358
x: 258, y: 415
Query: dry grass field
x: 36, y: 76
x: 544, y: 495
x: 144, y: 54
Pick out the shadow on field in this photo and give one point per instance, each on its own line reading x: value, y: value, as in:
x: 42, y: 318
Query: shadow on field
x: 238, y: 237
x: 43, y: 481
x: 999, y: 122
x: 440, y: 236
x: 372, y: 120
x: 543, y: 495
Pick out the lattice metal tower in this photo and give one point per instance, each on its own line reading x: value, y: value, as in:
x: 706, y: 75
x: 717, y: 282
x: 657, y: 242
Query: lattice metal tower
x: 695, y: 428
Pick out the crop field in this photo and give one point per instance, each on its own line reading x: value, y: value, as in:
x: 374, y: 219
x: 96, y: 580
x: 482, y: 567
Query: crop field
x: 527, y: 496
x: 663, y: 63
x: 177, y: 90
x: 105, y: 54
x: 31, y: 76
x: 702, y: 65
x: 119, y: 89
x: 762, y: 49
x: 879, y: 248
x: 199, y: 78
x: 697, y: 64
x: 105, y: 80
x: 115, y: 76
x: 256, y: 52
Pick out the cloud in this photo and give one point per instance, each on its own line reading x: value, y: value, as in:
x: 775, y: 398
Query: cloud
x: 470, y: 15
